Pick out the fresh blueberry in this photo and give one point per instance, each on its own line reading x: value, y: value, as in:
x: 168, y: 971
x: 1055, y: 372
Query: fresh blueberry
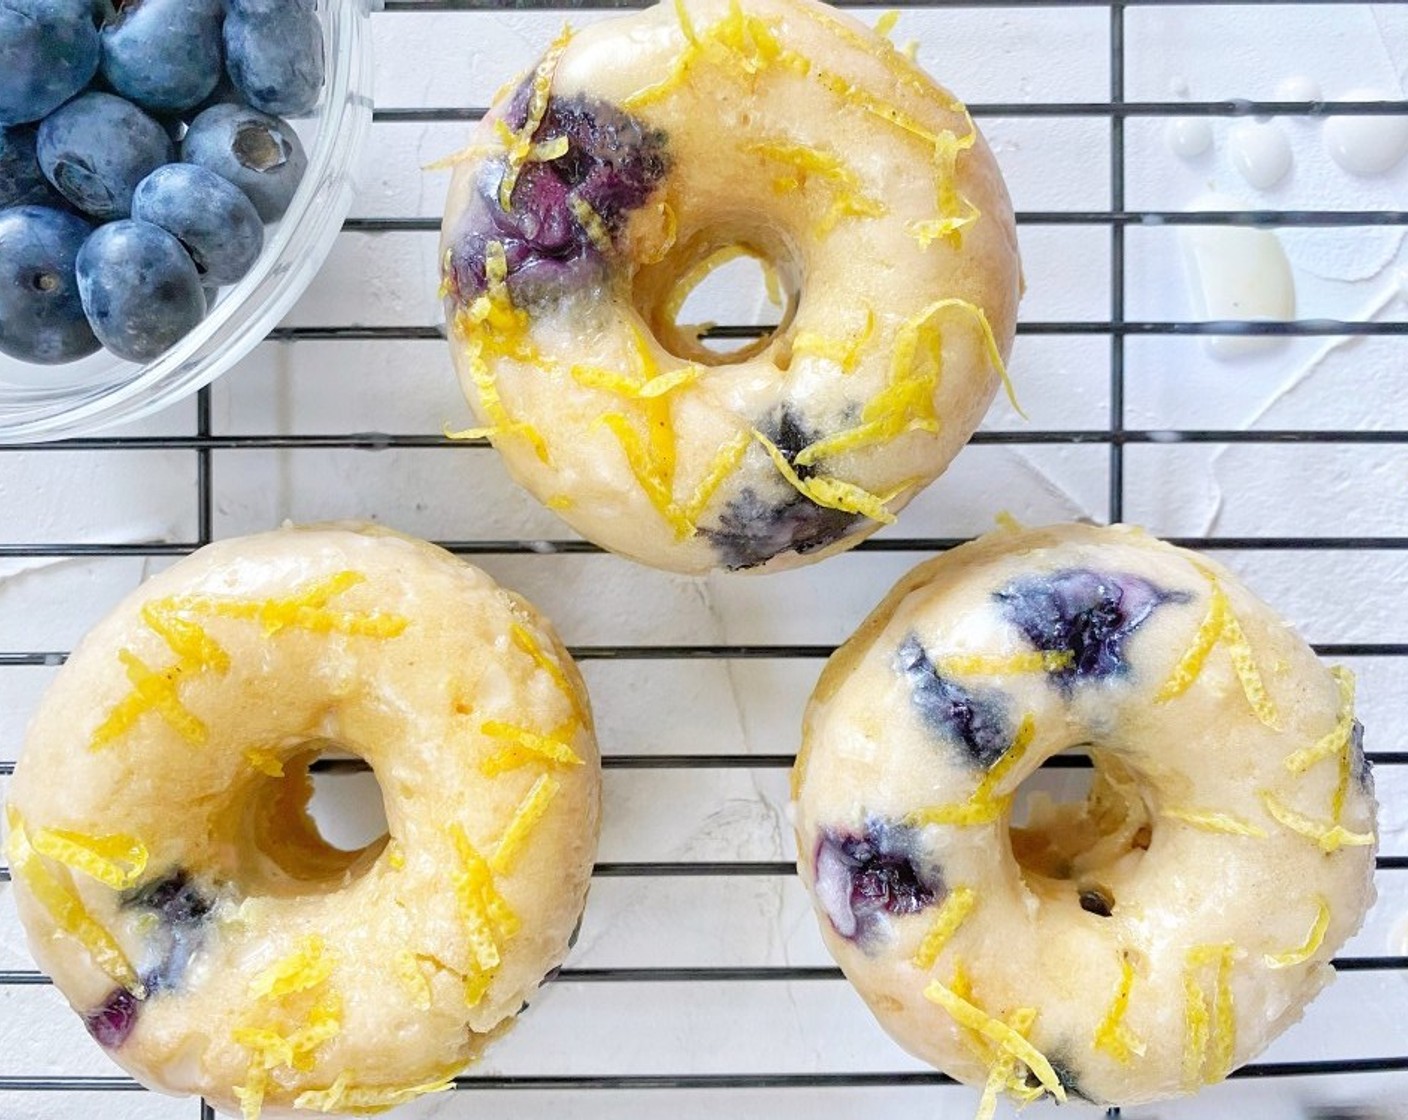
x: 613, y: 162
x: 22, y: 181
x: 862, y: 879
x: 164, y: 54
x: 1085, y: 613
x: 97, y: 148
x: 48, y: 53
x: 275, y: 56
x: 976, y: 721
x: 260, y: 154
x: 211, y: 217
x: 41, y: 316
x: 140, y: 289
x: 253, y: 9
x: 111, y: 1023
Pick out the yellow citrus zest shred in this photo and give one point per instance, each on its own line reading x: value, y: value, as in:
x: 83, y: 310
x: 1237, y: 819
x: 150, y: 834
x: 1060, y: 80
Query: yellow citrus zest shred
x: 265, y: 761
x: 954, y: 911
x: 489, y: 920
x: 1329, y: 837
x: 649, y: 472
x: 66, y: 909
x: 520, y: 145
x: 1195, y: 1027
x: 408, y: 971
x: 272, y: 1048
x: 152, y: 691
x: 845, y: 352
x: 1026, y: 732
x: 529, y: 812
x: 302, y: 970
x: 1005, y: 520
x: 1002, y: 1072
x: 1336, y: 740
x: 306, y: 609
x: 1224, y: 1027
x: 696, y: 274
x: 1313, y: 940
x: 1026, y: 661
x: 1214, y: 822
x: 591, y: 222
x: 188, y: 640
x: 886, y: 23
x: 251, y: 1093
x: 1203, y: 1028
x: 723, y: 464
x: 559, y: 502
x: 525, y: 640
x: 829, y: 170
x: 832, y: 493
x: 1220, y: 627
x: 115, y: 861
x: 1112, y: 1035
x: 986, y: 805
x: 345, y: 1096
x: 969, y: 1015
x: 395, y: 855
x: 541, y: 746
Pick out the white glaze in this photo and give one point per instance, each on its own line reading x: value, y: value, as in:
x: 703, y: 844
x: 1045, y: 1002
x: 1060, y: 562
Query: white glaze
x: 1298, y: 87
x: 1260, y: 152
x: 1189, y: 137
x: 1366, y: 145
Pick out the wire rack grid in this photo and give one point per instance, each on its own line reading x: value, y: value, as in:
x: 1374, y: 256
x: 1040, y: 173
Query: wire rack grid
x: 699, y: 985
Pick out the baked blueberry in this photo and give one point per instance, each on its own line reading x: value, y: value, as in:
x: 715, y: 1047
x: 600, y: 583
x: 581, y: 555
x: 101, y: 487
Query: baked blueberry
x: 48, y: 53
x: 112, y: 1022
x: 140, y: 289
x: 1360, y: 766
x: 97, y: 148
x: 863, y: 879
x: 164, y: 54
x: 41, y: 315
x: 275, y: 56
x: 183, y: 909
x: 211, y: 217
x: 974, y: 720
x: 22, y: 181
x: 260, y: 154
x: 1085, y: 613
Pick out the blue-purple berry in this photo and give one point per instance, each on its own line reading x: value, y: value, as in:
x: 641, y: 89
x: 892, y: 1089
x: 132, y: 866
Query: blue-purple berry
x: 211, y: 217
x: 275, y: 56
x: 22, y: 181
x: 48, y: 52
x: 111, y: 1022
x: 1084, y: 613
x: 974, y: 720
x: 183, y: 909
x: 260, y: 154
x: 862, y: 880
x: 164, y: 54
x: 41, y: 314
x: 97, y: 148
x: 140, y: 289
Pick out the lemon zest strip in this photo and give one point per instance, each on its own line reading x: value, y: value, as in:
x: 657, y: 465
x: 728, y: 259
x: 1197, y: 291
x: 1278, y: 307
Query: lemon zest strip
x: 304, y: 969
x: 530, y: 810
x: 413, y: 979
x: 1336, y: 740
x: 1112, y: 1035
x: 1001, y: 1074
x: 831, y: 493
x: 1196, y: 1027
x: 954, y: 911
x: 344, y: 1096
x: 1328, y: 837
x: 1026, y: 661
x: 844, y: 352
x: 968, y: 1015
x: 521, y: 148
x: 251, y: 1093
x: 1313, y: 940
x: 265, y: 761
x: 116, y: 861
x: 1220, y: 626
x: 1215, y: 822
x: 724, y: 463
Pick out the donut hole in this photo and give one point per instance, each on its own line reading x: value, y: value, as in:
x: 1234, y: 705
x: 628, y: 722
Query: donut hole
x: 315, y: 829
x: 721, y: 300
x: 1080, y: 826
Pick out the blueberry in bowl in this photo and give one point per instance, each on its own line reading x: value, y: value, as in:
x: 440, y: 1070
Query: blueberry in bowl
x: 208, y: 215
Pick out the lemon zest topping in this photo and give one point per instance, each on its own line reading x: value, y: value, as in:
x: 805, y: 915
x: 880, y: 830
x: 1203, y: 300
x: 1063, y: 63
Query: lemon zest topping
x: 985, y: 806
x: 1196, y: 1027
x: 1009, y: 1039
x: 525, y: 640
x: 1336, y: 741
x: 251, y: 1093
x: 265, y: 761
x: 1217, y: 1028
x: 151, y: 692
x: 295, y: 1050
x: 395, y: 856
x: 1002, y: 1072
x: 520, y: 145
x: 473, y: 151
x: 1025, y: 661
x: 832, y: 493
x: 306, y: 609
x: 886, y: 23
x: 955, y: 909
x: 560, y: 502
x: 807, y: 164
x: 1328, y: 837
x: 195, y: 649
x: 1112, y: 1035
x: 1224, y: 1027
x: 530, y: 810
x: 723, y: 464
x: 591, y: 222
x: 302, y: 970
x: 65, y: 908
x: 543, y: 746
x: 648, y: 473
x: 344, y: 1096
x: 116, y: 861
x: 1005, y: 520
x: 1214, y: 822
x: 1026, y: 732
x: 488, y: 918
x: 845, y: 352
x: 1313, y: 940
x: 408, y: 971
x: 697, y: 273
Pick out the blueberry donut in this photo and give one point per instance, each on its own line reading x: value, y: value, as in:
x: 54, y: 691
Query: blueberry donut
x: 640, y: 154
x: 1123, y: 949
x: 171, y: 880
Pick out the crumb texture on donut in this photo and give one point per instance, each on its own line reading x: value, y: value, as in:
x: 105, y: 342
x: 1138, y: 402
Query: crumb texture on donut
x: 1129, y: 947
x: 182, y: 897
x: 639, y: 155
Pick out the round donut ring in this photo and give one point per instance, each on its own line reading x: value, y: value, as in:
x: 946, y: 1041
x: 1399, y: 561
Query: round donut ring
x: 1129, y: 948
x: 172, y: 883
x: 638, y: 156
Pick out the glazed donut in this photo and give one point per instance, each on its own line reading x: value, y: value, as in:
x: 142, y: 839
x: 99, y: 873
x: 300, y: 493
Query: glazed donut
x: 634, y: 158
x: 169, y: 876
x: 1127, y: 949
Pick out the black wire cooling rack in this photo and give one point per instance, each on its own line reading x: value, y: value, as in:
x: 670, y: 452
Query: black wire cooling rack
x: 18, y: 1091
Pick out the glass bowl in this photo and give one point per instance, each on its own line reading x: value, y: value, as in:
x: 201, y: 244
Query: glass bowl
x: 40, y: 403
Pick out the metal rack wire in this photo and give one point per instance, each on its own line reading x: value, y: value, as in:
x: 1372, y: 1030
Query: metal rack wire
x: 1117, y: 435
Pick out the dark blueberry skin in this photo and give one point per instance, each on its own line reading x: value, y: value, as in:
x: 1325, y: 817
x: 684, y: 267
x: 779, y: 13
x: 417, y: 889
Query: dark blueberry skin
x: 22, y: 181
x: 164, y: 54
x: 1085, y: 613
x: 212, y: 218
x: 48, y: 53
x: 260, y: 154
x: 275, y: 57
x: 613, y: 162
x: 1069, y: 1081
x: 183, y: 909
x: 140, y: 289
x: 976, y: 721
x: 1359, y: 764
x: 97, y: 148
x: 1097, y: 901
x: 111, y: 1023
x: 753, y: 529
x: 41, y: 315
x: 863, y: 880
